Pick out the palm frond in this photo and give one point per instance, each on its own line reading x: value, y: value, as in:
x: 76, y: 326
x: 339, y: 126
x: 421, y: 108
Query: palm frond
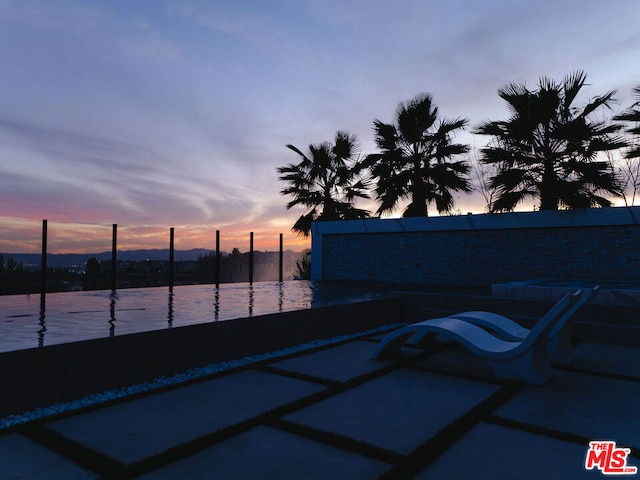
x: 415, y: 117
x: 572, y: 85
x: 303, y: 224
x: 345, y: 145
x: 296, y: 149
x: 602, y: 101
x: 448, y: 126
x: 508, y: 201
x: 386, y: 136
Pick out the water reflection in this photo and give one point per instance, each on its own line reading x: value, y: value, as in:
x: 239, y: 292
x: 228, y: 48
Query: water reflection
x: 112, y: 314
x: 216, y: 305
x: 251, y: 292
x: 42, y: 323
x: 74, y: 316
x: 170, y: 312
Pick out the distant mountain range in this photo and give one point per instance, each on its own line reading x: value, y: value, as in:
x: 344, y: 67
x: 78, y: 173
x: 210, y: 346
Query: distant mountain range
x: 80, y: 259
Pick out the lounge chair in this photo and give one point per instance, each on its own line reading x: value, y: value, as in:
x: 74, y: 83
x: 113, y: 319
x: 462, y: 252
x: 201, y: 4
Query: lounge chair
x: 524, y: 359
x: 559, y: 346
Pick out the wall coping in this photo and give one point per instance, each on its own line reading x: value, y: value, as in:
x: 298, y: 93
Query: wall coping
x: 585, y: 217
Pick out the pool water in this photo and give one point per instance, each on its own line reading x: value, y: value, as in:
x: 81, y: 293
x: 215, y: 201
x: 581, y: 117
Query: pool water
x: 27, y: 322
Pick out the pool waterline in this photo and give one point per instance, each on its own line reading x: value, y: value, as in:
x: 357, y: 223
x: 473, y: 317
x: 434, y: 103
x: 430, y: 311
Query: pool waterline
x: 30, y: 321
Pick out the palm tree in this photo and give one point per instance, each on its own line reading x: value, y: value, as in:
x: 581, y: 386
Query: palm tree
x: 327, y: 182
x: 548, y: 149
x: 632, y: 115
x: 414, y: 159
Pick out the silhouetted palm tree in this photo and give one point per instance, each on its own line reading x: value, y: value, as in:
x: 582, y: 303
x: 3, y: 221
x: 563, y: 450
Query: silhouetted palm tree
x: 327, y: 182
x: 548, y: 149
x: 633, y: 115
x: 414, y: 161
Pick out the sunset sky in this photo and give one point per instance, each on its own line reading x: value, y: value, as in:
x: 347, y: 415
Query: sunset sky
x: 166, y: 113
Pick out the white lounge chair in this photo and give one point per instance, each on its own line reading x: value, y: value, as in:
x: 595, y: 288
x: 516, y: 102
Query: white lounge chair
x: 559, y: 346
x: 524, y: 359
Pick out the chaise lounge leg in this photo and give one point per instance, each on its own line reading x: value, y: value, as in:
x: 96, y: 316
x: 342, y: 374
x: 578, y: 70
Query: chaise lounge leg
x: 560, y: 349
x: 392, y: 343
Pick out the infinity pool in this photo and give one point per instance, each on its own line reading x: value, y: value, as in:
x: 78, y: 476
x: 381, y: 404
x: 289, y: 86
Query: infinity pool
x: 27, y: 322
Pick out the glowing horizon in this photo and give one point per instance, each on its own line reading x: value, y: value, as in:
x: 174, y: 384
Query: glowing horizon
x: 93, y: 238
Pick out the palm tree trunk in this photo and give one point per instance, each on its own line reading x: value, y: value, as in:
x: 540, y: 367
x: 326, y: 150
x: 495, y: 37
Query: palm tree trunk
x: 549, y: 195
x: 418, y: 206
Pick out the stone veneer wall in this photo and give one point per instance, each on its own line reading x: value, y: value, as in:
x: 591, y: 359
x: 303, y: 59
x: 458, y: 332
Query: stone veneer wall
x: 479, y: 250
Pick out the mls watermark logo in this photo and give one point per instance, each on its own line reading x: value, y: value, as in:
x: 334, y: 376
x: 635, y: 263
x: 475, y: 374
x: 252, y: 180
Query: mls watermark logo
x: 611, y: 460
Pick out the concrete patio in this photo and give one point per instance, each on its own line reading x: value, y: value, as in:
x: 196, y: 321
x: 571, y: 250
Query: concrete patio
x: 332, y: 412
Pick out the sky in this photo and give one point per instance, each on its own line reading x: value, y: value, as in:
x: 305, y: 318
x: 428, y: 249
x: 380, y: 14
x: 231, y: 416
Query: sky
x: 153, y: 114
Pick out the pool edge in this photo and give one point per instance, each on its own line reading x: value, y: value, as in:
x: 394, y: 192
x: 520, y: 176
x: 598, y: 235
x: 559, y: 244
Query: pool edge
x: 43, y: 376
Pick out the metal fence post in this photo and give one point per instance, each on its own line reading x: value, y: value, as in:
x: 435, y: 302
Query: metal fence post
x: 114, y: 249
x: 217, y: 266
x: 280, y: 261
x: 251, y: 258
x: 171, y: 257
x: 43, y: 277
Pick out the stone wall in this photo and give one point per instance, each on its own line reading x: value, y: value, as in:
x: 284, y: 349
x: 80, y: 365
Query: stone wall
x: 480, y: 250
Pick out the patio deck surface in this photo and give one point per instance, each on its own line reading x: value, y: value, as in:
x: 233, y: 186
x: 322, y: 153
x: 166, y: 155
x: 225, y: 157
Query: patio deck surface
x: 335, y: 413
